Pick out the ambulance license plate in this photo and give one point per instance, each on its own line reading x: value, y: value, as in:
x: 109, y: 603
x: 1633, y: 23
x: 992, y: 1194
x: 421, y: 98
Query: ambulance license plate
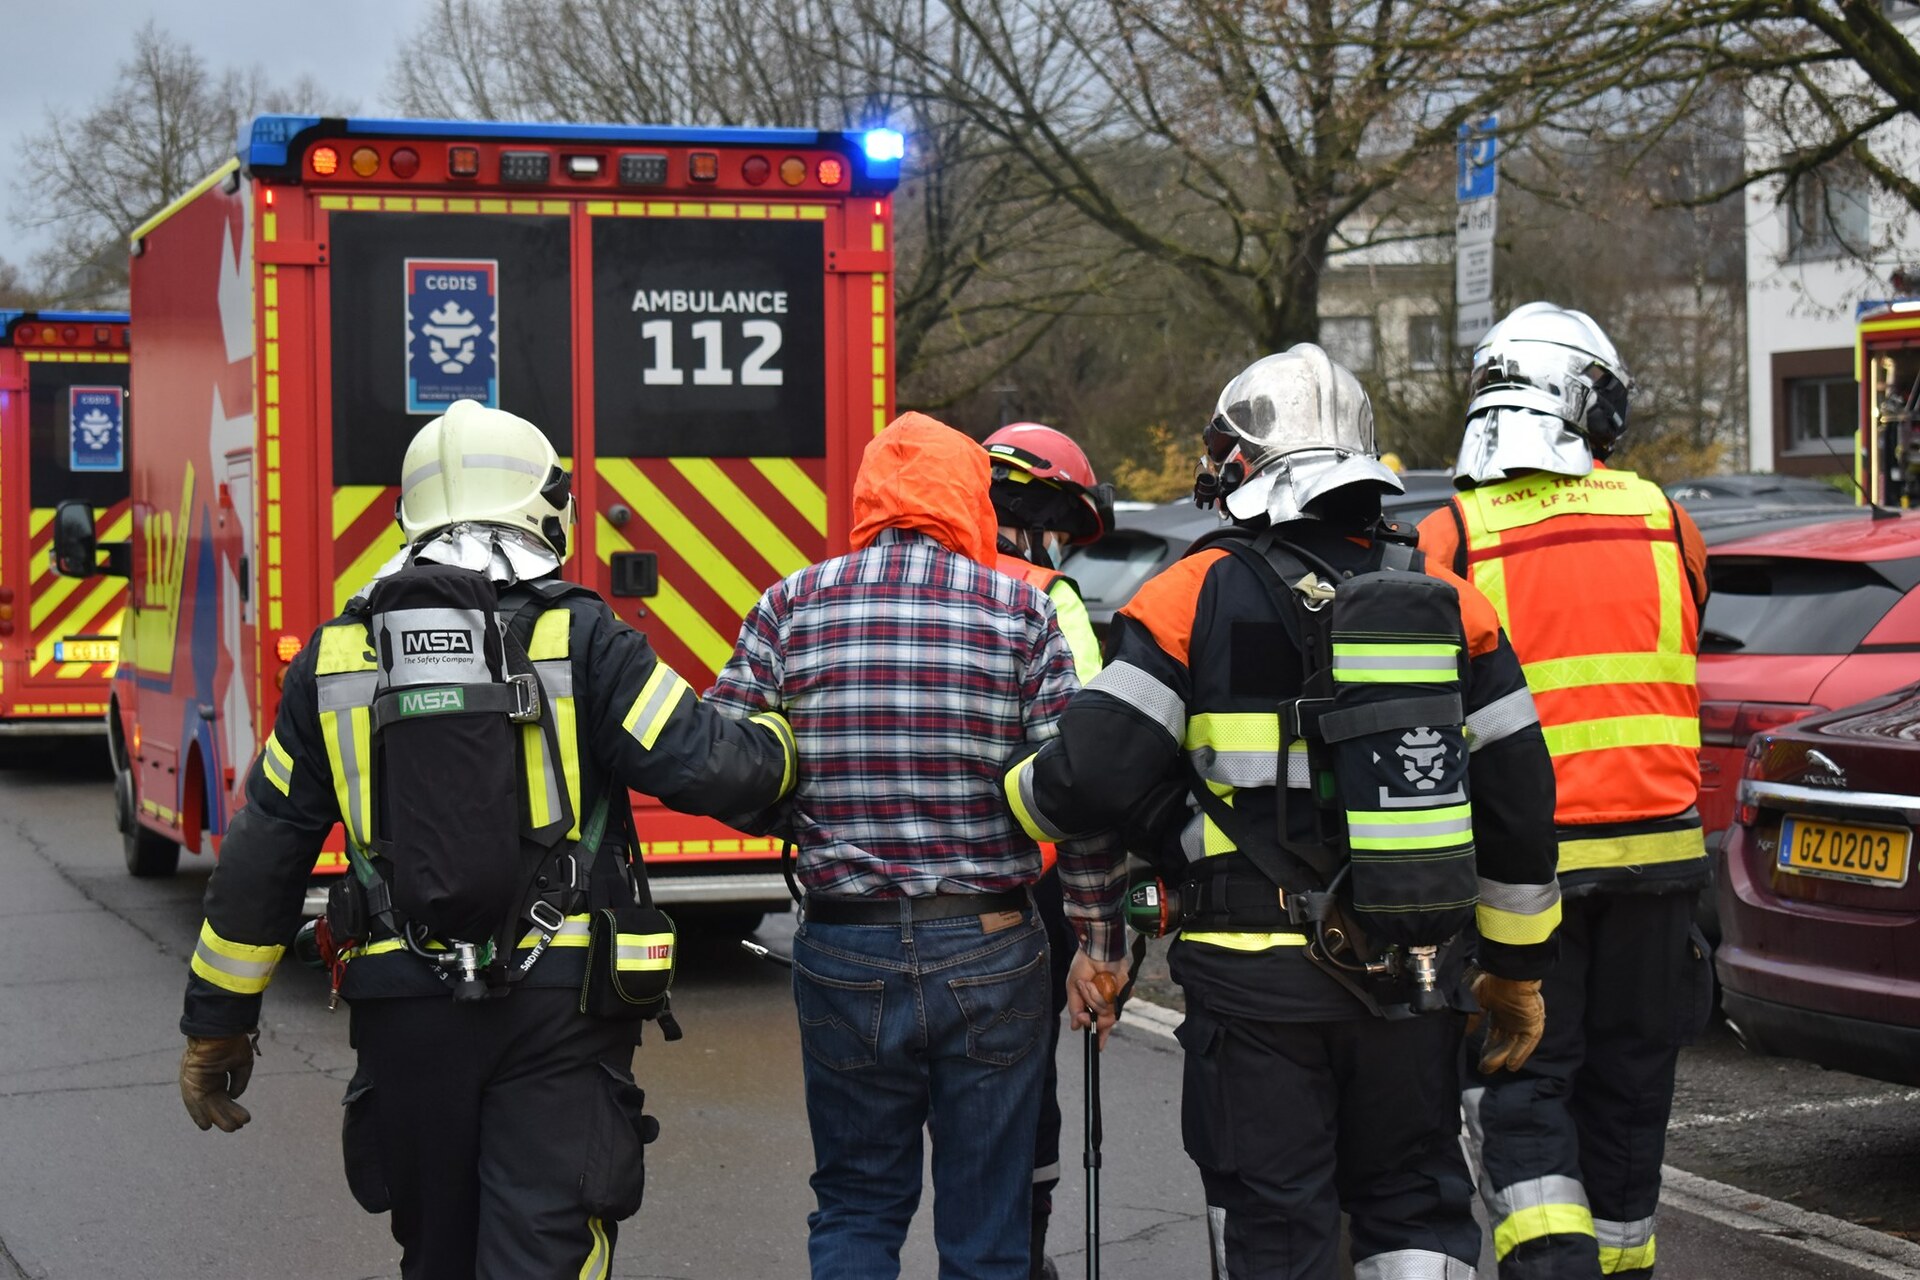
x: 86, y: 651
x: 1843, y: 851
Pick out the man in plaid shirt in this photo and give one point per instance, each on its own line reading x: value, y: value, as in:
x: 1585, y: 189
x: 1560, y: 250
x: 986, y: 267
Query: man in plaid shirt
x: 913, y: 675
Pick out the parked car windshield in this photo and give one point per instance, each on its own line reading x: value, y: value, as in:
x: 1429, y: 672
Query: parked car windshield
x: 1111, y: 570
x: 1792, y: 606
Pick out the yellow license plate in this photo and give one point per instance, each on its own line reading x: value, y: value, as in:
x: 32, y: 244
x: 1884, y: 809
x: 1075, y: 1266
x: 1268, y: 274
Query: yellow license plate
x: 1843, y: 851
x: 86, y: 651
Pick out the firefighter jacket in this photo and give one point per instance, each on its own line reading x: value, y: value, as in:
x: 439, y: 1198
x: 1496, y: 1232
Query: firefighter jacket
x: 1069, y: 609
x: 624, y: 720
x: 1599, y: 582
x: 1200, y: 659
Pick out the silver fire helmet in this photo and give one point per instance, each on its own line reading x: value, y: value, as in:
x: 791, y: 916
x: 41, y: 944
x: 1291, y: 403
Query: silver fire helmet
x: 1301, y: 426
x: 1549, y: 393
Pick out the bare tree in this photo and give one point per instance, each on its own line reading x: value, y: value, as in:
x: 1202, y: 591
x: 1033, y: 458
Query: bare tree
x: 167, y: 122
x: 1232, y: 140
x: 985, y: 262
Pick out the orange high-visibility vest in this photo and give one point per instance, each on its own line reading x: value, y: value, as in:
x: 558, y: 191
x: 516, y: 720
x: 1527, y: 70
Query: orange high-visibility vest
x: 1589, y: 578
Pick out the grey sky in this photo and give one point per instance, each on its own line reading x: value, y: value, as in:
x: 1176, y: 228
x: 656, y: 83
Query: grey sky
x: 59, y: 54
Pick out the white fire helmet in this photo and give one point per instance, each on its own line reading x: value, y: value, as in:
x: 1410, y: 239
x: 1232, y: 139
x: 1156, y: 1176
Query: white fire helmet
x: 1550, y: 393
x: 478, y: 465
x: 1300, y: 427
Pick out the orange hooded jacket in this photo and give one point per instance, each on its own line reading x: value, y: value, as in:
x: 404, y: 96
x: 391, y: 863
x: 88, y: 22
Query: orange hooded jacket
x: 921, y: 474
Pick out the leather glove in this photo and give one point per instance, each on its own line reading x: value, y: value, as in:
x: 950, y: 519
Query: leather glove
x: 213, y: 1072
x: 1516, y: 1015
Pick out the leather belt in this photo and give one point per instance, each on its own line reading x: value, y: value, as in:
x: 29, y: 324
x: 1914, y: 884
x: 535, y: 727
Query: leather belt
x: 829, y: 909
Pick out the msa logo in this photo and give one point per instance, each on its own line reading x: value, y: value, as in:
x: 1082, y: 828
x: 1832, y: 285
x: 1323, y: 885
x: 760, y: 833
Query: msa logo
x: 448, y: 641
x: 424, y: 702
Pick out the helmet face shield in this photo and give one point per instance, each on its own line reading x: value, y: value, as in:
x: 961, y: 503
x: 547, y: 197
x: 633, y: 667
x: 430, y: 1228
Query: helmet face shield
x: 1299, y: 426
x: 1549, y: 392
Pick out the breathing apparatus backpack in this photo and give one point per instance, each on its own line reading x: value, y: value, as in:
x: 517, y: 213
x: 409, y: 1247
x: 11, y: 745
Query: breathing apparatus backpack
x: 1385, y: 874
x: 459, y: 871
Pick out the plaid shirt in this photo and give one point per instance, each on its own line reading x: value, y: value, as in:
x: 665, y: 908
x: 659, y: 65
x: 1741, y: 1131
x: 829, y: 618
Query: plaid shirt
x: 913, y: 678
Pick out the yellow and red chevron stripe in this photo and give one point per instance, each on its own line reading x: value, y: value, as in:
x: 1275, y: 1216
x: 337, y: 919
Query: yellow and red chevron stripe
x: 365, y: 536
x: 724, y: 529
x: 60, y: 607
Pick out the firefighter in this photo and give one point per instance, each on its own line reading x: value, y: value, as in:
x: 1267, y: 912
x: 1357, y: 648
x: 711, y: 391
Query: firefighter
x: 1046, y: 498
x: 1311, y: 1088
x: 1599, y: 581
x: 504, y: 1134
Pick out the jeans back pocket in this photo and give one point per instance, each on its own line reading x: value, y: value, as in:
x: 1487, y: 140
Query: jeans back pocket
x: 839, y: 1020
x: 1006, y: 1013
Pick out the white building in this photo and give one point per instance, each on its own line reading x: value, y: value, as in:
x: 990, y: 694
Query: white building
x: 1814, y: 257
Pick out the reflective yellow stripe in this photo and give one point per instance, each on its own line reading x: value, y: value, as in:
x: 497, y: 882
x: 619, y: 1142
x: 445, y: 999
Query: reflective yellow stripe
x: 1245, y: 941
x: 658, y: 699
x: 1638, y: 1258
x: 565, y: 730
x: 598, y: 1254
x: 1632, y: 851
x: 1491, y: 577
x: 549, y: 643
x: 277, y: 765
x: 1437, y: 828
x: 643, y: 951
x: 784, y: 732
x: 1667, y: 571
x: 1538, y: 1221
x: 1610, y: 668
x: 1622, y: 731
x: 550, y: 636
x: 1234, y: 731
x: 543, y: 787
x: 234, y: 966
x: 349, y: 753
x: 344, y: 648
x: 1014, y: 782
x: 1516, y: 928
x: 1071, y: 613
x: 1371, y: 662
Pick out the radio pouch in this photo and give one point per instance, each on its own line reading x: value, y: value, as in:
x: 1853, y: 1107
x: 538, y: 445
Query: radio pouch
x: 630, y: 963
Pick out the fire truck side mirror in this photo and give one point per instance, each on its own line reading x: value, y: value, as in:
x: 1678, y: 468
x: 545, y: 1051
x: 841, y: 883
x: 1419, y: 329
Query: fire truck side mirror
x: 75, y: 552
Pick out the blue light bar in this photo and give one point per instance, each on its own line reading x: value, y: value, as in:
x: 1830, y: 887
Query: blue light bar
x: 264, y: 141
x: 883, y: 145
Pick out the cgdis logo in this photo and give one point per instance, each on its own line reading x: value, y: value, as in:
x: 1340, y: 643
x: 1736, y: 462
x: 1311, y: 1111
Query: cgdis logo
x: 435, y: 641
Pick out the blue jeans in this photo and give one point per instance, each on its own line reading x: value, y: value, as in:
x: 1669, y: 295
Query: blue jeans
x: 936, y: 1024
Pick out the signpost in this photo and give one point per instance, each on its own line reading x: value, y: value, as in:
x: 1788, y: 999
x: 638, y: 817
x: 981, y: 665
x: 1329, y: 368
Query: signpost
x: 1477, y: 190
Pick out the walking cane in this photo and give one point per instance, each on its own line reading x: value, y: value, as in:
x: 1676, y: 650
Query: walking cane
x: 1109, y: 987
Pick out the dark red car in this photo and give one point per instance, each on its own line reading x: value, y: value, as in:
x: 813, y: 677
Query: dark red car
x: 1803, y: 617
x: 1819, y: 901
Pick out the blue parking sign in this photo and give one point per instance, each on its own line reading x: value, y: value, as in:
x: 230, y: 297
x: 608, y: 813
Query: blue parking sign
x: 96, y: 423
x: 1477, y: 154
x: 453, y: 333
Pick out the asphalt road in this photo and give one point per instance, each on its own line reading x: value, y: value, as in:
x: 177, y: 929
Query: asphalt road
x: 101, y: 1174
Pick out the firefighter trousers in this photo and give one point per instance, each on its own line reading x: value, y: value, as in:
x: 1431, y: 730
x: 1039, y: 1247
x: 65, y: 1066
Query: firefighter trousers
x: 505, y: 1136
x: 1570, y: 1145
x: 1293, y: 1122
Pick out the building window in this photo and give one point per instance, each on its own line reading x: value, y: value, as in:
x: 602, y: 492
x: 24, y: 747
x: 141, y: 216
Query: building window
x: 1349, y: 340
x: 1822, y: 415
x: 1426, y: 343
x: 1828, y: 214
